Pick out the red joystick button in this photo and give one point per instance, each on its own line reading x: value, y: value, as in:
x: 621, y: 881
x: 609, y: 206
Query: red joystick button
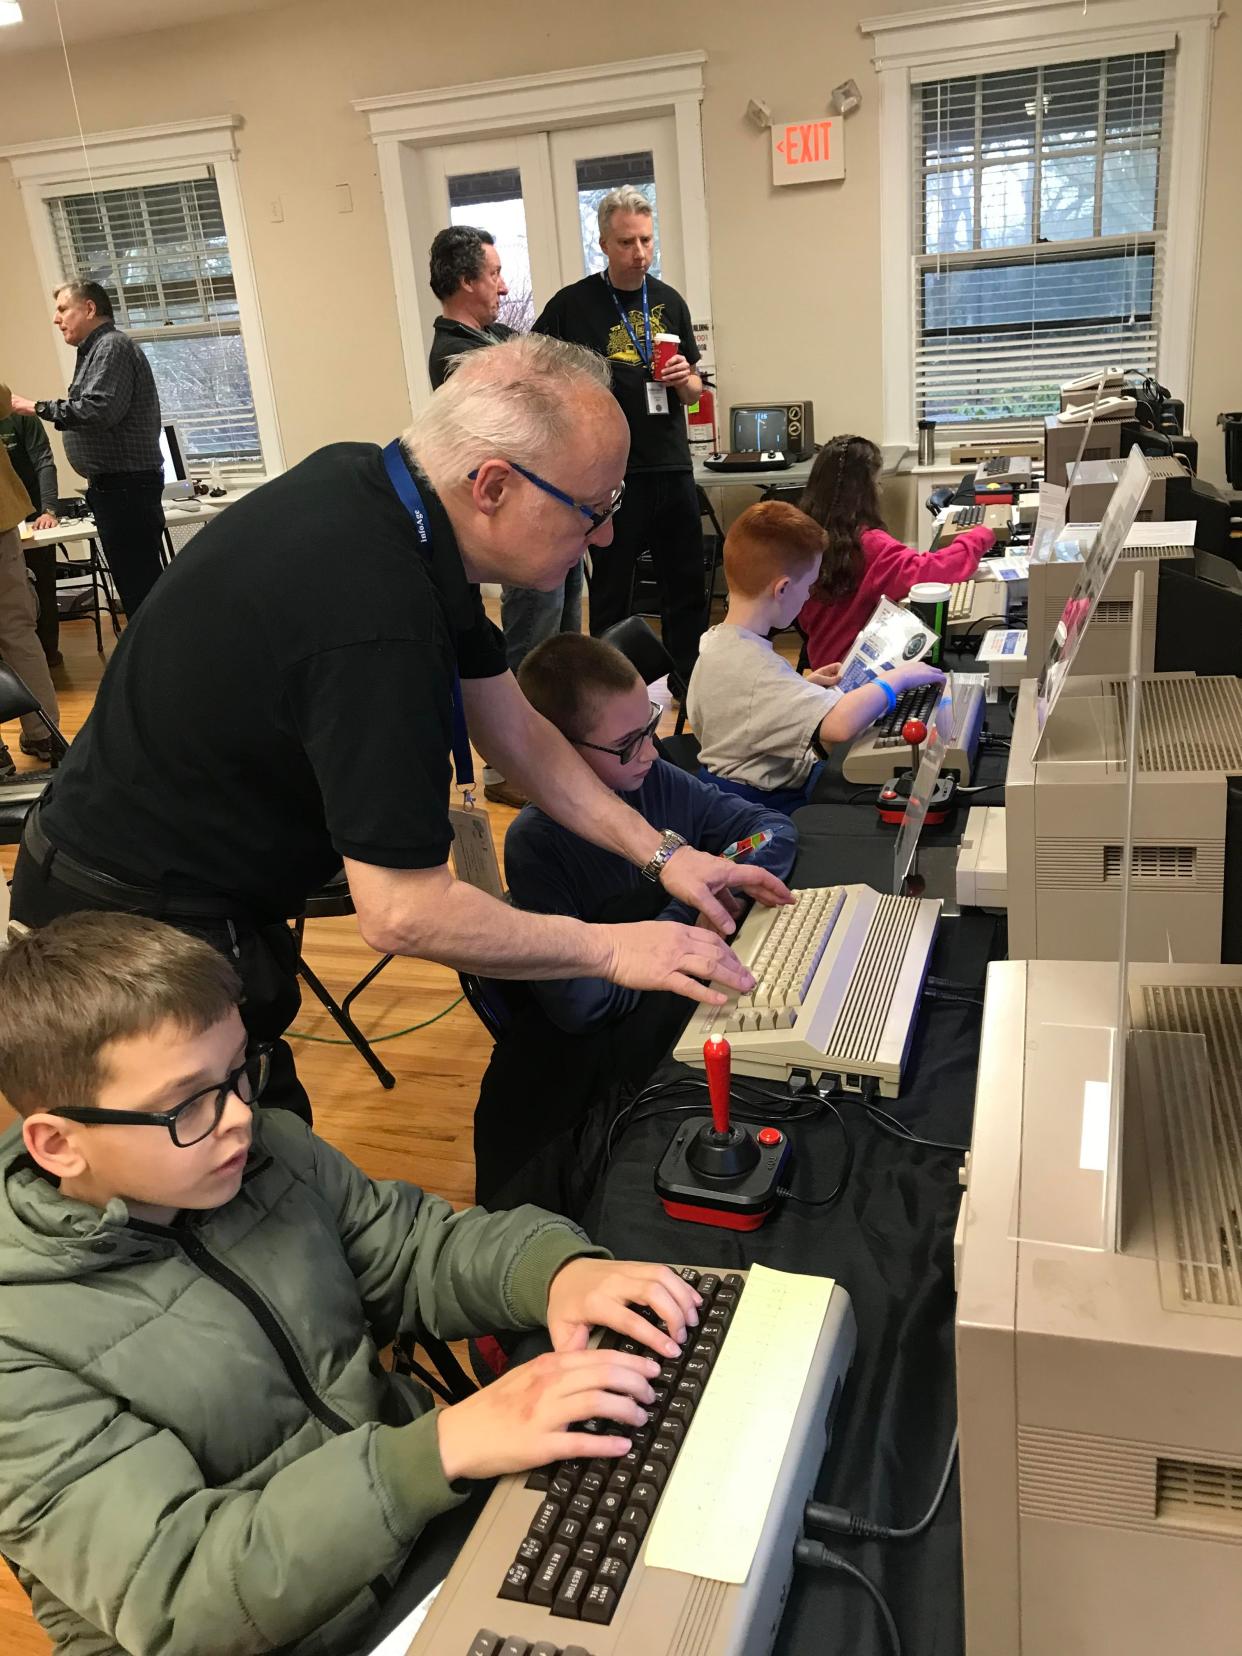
x: 913, y: 732
x: 768, y: 1136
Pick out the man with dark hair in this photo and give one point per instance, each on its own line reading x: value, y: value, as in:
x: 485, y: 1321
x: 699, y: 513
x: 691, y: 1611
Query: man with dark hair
x: 111, y: 422
x: 466, y: 279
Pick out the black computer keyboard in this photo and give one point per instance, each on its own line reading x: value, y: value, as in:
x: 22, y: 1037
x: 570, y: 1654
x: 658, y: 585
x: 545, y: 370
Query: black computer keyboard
x: 919, y: 703
x: 487, y: 1643
x: 997, y: 466
x: 577, y: 1554
x: 966, y: 517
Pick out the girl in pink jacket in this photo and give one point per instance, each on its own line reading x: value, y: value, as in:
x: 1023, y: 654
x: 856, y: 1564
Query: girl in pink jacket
x: 864, y: 563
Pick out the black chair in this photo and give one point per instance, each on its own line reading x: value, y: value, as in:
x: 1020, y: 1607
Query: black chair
x: 331, y: 901
x: 20, y: 793
x: 95, y: 567
x: 647, y: 655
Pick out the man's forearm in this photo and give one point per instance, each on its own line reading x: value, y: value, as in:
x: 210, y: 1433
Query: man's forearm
x: 460, y: 926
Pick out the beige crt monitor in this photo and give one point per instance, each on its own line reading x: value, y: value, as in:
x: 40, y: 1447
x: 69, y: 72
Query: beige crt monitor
x: 1106, y: 646
x: 1065, y: 815
x: 1100, y: 1377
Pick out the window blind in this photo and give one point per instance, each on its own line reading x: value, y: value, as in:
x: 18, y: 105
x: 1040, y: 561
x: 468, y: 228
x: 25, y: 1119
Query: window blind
x: 161, y: 253
x: 1039, y: 230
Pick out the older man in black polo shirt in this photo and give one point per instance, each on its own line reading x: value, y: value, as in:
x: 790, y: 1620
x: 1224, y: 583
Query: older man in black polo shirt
x: 285, y: 704
x: 111, y: 424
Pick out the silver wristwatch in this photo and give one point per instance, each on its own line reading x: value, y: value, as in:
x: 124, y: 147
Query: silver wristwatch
x: 669, y: 842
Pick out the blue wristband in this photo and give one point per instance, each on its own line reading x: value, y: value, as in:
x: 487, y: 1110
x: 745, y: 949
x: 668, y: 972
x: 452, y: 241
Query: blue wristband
x: 890, y: 695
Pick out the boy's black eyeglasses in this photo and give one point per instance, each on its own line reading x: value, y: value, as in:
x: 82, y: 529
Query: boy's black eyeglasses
x: 197, y: 1117
x: 631, y: 744
x: 598, y: 516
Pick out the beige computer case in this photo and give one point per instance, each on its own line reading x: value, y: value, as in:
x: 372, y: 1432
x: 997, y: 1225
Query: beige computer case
x: 1105, y: 647
x: 1061, y: 445
x: 1095, y: 480
x: 1099, y: 1391
x: 1065, y: 819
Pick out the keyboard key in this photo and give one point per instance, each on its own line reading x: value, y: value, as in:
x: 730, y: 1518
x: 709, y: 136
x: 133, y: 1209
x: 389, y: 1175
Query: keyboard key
x: 592, y: 1484
x: 530, y: 1550
x: 653, y: 1472
x: 582, y: 1506
x: 599, y: 1605
x: 560, y: 1489
x: 544, y: 1587
x: 645, y: 1495
x: 664, y: 1450
x: 516, y: 1584
x: 545, y: 1647
x: 708, y: 1284
x: 540, y: 1478
x: 697, y: 1368
x: 569, y: 1530
x: 681, y: 1409
x: 568, y: 1601
x: 515, y: 1647
x: 624, y: 1545
x: 620, y: 1481
x: 611, y: 1503
x: 543, y: 1524
x: 599, y: 1529
x: 486, y: 1643
x: 690, y: 1387
x: 589, y: 1554
x: 690, y: 1275
x: 635, y: 1520
x: 614, y: 1573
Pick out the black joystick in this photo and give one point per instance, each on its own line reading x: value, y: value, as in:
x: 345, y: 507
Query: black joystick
x: 715, y: 1173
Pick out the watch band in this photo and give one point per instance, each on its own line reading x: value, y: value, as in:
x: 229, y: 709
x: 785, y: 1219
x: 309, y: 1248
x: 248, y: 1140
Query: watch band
x: 670, y: 841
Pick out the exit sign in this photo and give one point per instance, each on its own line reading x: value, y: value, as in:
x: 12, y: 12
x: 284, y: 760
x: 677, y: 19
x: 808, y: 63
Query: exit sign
x: 803, y: 152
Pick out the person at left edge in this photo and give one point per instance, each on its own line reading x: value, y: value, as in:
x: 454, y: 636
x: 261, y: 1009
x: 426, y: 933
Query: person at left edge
x: 284, y: 705
x: 111, y: 425
x: 24, y: 437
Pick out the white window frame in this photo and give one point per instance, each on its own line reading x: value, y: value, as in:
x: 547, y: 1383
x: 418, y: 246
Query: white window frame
x: 403, y: 123
x: 109, y: 160
x: 992, y: 35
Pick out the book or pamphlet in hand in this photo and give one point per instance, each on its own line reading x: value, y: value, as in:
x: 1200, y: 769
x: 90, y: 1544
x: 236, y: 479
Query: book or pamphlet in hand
x: 892, y: 635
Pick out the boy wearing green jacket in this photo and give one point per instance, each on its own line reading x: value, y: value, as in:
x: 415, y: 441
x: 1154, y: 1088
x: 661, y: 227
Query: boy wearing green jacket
x: 199, y: 1449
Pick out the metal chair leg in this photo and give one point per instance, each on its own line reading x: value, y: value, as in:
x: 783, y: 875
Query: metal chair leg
x: 344, y: 1022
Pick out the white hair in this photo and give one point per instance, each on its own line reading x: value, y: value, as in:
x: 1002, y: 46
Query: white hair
x: 624, y: 199
x: 513, y: 401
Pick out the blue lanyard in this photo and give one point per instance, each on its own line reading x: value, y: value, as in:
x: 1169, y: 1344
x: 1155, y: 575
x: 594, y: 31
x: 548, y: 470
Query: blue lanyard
x: 625, y: 320
x: 410, y: 497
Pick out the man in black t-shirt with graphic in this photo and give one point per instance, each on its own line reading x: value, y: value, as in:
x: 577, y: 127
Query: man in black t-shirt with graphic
x: 283, y: 703
x: 618, y: 313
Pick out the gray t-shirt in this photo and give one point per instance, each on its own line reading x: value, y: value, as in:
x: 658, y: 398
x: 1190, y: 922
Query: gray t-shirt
x: 754, y: 714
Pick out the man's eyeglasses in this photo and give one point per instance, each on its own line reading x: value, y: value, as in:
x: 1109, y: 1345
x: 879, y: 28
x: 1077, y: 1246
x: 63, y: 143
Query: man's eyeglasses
x: 631, y: 744
x: 197, y: 1117
x: 597, y: 516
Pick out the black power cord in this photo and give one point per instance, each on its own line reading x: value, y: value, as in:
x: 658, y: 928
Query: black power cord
x: 837, y: 1521
x: 818, y: 1556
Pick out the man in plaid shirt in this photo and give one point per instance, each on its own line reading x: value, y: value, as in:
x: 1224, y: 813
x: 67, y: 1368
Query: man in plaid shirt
x: 111, y: 425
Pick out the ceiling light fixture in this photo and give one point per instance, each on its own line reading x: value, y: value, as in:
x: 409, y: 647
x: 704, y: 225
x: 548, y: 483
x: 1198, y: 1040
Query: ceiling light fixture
x: 10, y: 12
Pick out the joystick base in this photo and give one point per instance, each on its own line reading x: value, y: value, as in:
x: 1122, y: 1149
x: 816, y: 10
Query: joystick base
x: 733, y: 1201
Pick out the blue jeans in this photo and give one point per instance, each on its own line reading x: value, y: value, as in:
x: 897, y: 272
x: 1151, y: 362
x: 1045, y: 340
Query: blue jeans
x: 528, y: 617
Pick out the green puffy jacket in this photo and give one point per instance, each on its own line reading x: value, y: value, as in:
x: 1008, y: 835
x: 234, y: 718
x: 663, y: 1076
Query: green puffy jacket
x: 199, y: 1449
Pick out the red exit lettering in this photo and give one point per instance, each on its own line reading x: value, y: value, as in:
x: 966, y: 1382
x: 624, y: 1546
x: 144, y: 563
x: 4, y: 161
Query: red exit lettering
x: 805, y: 143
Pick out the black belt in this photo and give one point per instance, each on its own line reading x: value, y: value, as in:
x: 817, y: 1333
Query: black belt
x: 92, y: 882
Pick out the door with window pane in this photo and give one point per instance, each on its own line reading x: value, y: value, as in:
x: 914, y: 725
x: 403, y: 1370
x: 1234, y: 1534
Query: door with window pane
x: 501, y: 186
x: 588, y: 162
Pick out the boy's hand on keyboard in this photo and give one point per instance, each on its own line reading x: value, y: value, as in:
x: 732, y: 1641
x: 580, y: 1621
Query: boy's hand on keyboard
x: 522, y: 1420
x: 695, y: 877
x: 603, y: 1293
x: 827, y: 676
x: 664, y: 954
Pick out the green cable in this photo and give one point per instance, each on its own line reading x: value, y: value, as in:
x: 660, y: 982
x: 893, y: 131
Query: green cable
x: 332, y: 1040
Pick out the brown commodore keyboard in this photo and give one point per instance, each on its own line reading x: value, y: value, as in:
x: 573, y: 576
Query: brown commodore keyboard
x: 555, y: 1564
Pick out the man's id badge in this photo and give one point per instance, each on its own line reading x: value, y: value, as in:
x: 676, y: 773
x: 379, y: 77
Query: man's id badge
x: 657, y: 398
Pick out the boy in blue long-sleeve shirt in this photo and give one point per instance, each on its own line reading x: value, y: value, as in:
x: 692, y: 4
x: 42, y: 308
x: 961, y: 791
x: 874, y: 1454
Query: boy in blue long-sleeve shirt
x: 592, y: 694
x: 567, y: 1058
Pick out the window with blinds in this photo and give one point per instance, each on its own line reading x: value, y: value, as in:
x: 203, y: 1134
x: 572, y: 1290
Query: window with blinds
x: 1039, y: 233
x: 161, y: 253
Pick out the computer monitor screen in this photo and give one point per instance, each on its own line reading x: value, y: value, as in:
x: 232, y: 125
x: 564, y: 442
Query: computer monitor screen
x: 759, y: 429
x: 172, y: 455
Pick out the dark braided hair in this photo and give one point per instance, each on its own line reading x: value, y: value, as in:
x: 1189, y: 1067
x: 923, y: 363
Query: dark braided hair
x: 843, y: 498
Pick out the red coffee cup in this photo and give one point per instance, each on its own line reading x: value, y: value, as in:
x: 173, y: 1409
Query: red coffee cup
x: 663, y: 348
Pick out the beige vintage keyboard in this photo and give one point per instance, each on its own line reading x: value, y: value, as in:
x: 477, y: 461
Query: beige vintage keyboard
x: 556, y: 1564
x: 973, y: 602
x: 881, y: 751
x: 839, y: 977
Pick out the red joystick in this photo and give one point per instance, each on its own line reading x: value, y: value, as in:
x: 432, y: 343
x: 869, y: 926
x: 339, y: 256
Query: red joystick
x: 914, y: 732
x: 718, y: 1062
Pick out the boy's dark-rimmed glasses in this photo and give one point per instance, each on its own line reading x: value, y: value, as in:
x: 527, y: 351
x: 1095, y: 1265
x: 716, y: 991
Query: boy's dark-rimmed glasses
x: 195, y: 1118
